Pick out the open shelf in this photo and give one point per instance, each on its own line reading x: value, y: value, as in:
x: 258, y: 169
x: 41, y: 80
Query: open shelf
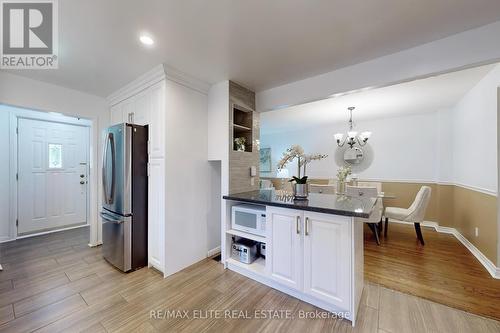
x: 246, y: 235
x: 258, y: 266
x: 243, y: 126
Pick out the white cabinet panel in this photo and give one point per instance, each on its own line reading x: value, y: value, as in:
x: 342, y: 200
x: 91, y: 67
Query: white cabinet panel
x: 116, y: 114
x: 128, y: 110
x: 157, y: 123
x: 142, y: 106
x: 327, y: 264
x: 285, y: 250
x: 156, y: 213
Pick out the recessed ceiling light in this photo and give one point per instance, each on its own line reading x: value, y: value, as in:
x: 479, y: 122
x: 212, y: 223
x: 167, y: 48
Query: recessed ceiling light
x: 146, y: 40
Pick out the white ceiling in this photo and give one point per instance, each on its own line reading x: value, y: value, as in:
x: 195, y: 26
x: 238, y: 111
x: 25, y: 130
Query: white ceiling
x: 419, y: 96
x: 258, y: 43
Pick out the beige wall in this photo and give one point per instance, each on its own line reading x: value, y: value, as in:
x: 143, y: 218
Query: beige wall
x: 450, y: 206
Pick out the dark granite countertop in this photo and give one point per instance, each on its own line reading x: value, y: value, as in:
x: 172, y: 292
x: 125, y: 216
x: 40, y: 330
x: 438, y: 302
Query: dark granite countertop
x: 317, y: 202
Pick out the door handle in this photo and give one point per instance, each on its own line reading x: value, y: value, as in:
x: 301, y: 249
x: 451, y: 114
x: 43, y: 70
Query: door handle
x: 111, y: 141
x: 103, y: 170
x: 307, y: 226
x: 82, y: 182
x: 82, y: 176
x: 297, y: 224
x: 109, y: 219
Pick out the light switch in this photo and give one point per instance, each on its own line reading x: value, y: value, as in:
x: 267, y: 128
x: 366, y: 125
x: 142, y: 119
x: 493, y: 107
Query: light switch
x: 253, y: 171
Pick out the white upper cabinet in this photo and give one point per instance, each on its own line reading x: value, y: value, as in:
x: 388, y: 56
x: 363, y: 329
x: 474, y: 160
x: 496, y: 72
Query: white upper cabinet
x: 116, y: 114
x: 142, y: 108
x: 128, y: 110
x: 327, y: 253
x: 285, y: 250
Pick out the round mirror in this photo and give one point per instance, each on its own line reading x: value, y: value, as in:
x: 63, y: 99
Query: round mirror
x: 353, y: 155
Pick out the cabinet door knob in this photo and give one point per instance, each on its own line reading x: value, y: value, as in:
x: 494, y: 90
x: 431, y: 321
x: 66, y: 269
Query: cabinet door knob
x: 307, y: 226
x: 82, y: 182
x: 297, y: 224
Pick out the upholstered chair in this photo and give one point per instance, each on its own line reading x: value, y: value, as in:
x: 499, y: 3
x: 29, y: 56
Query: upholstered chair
x: 320, y: 188
x: 415, y: 214
x: 376, y: 214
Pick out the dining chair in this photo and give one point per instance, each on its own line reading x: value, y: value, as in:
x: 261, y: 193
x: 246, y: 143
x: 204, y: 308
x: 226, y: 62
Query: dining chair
x: 320, y: 188
x: 415, y: 213
x: 266, y: 184
x: 376, y: 215
x: 378, y: 185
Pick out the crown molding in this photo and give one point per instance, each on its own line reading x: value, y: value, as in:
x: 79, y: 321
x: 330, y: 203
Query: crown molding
x: 142, y: 82
x: 155, y: 75
x: 184, y: 79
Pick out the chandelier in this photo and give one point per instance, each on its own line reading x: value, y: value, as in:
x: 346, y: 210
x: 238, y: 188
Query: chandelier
x: 352, y: 136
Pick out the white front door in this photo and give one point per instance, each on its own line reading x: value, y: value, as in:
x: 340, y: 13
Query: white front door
x: 52, y: 175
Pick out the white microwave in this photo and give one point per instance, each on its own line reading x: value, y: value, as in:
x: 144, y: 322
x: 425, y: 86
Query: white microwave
x: 249, y: 218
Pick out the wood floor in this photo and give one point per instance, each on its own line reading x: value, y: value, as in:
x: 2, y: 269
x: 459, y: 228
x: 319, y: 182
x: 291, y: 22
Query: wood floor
x: 56, y: 283
x: 443, y: 270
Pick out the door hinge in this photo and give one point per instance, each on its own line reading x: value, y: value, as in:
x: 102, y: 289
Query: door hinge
x: 17, y: 176
x: 149, y: 169
x: 17, y: 130
x: 17, y: 222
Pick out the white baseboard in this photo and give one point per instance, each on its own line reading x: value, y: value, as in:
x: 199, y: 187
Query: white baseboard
x: 213, y: 252
x: 2, y: 240
x: 487, y: 263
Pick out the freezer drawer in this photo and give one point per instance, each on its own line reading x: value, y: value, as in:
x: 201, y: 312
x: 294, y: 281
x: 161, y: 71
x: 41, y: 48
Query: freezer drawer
x: 117, y: 240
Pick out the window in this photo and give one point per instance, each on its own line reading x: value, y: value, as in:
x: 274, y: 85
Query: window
x: 55, y: 156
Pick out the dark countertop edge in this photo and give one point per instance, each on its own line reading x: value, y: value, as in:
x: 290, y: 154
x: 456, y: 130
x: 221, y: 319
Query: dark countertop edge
x: 292, y: 206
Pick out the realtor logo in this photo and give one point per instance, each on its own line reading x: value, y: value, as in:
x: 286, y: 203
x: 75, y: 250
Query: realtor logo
x: 28, y: 34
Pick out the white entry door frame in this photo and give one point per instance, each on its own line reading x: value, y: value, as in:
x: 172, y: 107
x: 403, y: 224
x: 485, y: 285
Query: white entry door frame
x: 52, y: 175
x: 91, y: 209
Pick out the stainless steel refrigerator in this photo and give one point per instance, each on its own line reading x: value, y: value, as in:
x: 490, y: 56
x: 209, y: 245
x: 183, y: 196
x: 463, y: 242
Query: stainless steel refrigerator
x: 125, y: 196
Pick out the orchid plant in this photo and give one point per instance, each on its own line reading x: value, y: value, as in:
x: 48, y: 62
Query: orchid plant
x: 297, y: 152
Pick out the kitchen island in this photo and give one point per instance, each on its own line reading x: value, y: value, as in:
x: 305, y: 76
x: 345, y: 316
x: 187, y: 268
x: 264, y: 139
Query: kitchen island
x: 314, y: 247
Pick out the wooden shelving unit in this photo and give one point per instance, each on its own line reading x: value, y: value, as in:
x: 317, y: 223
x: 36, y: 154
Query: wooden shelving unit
x: 243, y: 126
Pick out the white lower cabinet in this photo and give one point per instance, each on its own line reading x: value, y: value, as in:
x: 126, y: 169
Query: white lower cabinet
x: 311, y: 253
x: 327, y: 252
x: 285, y: 263
x: 156, y: 214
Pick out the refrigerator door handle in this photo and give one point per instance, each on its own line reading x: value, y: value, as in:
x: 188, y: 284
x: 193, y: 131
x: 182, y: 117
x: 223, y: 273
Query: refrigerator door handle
x: 103, y: 171
x: 109, y: 141
x: 113, y: 171
x: 110, y: 219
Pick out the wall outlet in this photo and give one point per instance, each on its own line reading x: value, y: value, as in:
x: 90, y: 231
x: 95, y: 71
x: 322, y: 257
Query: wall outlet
x: 476, y: 231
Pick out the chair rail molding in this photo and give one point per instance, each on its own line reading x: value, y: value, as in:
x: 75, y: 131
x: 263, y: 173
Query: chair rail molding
x: 154, y: 76
x: 429, y: 181
x: 487, y: 263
